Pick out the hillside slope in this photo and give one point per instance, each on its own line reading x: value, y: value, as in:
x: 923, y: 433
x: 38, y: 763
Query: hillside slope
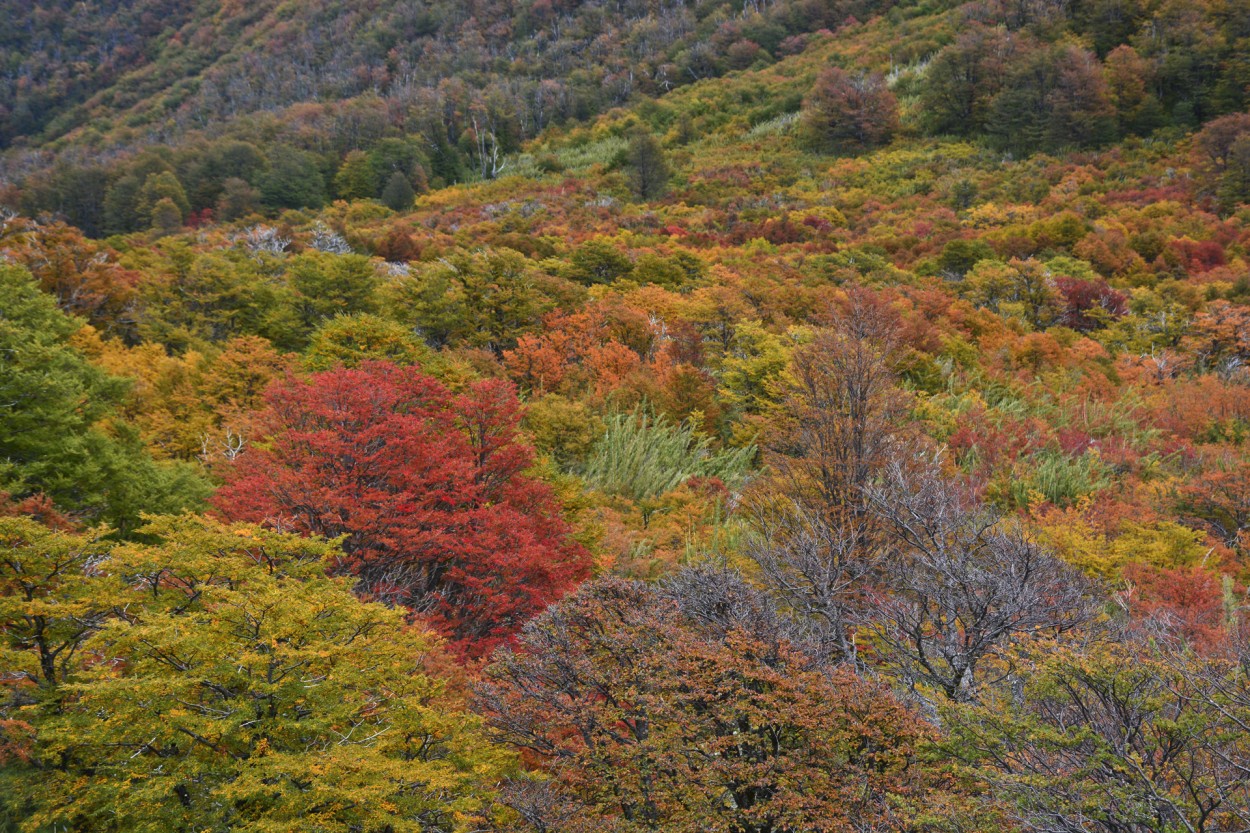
x: 721, y: 416
x: 171, y: 67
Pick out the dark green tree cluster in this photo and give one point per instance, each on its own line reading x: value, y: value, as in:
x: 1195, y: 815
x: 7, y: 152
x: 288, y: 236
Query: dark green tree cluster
x: 486, y: 298
x: 1022, y: 95
x: 165, y: 188
x: 391, y: 98
x: 1028, y: 79
x: 1222, y: 151
x: 212, y: 297
x: 58, y: 435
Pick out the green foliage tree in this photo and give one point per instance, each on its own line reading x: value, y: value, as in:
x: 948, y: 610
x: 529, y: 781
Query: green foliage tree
x: 564, y: 428
x: 1113, y: 737
x: 166, y: 218
x: 398, y: 195
x: 348, y: 340
x: 242, y: 689
x: 326, y: 285
x: 293, y: 180
x: 959, y: 256
x: 56, y: 432
x: 356, y: 178
x: 485, y: 298
x: 648, y: 169
x: 238, y: 199
x: 1023, y: 288
x: 598, y: 261
x: 394, y: 155
x: 124, y: 206
x: 216, y: 296
x: 752, y: 369
x: 158, y: 187
x: 51, y: 601
x: 669, y: 272
x: 206, y: 175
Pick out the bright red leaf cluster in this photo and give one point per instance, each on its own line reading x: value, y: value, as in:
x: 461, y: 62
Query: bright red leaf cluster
x: 428, y: 487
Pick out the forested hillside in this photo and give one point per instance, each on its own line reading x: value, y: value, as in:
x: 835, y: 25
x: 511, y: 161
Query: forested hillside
x: 86, y: 82
x: 547, y: 416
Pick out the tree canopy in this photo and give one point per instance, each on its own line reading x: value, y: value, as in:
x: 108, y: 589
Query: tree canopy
x: 56, y: 433
x: 429, y: 488
x: 233, y: 685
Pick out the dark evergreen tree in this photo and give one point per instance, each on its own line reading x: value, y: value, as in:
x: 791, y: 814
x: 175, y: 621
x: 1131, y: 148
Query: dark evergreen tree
x: 206, y: 175
x: 648, y: 169
x: 292, y: 181
x: 51, y: 441
x: 125, y: 207
x: 598, y: 261
x: 120, y: 205
x: 1052, y: 99
x: 398, y: 194
x: 1222, y: 154
x: 962, y: 80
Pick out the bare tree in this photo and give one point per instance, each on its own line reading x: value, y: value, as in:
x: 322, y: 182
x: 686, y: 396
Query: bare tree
x: 260, y: 240
x: 487, y: 150
x: 718, y: 601
x: 843, y: 418
x: 964, y: 585
x: 326, y: 239
x: 541, y: 807
x: 818, y: 565
x: 844, y: 413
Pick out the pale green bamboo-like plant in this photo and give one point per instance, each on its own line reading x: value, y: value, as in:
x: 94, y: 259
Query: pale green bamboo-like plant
x: 642, y: 456
x: 1061, y: 479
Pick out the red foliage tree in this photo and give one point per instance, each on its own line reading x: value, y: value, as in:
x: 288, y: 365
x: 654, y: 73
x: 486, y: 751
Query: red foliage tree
x: 1189, y: 601
x: 1219, y: 499
x: 846, y: 112
x: 1088, y: 304
x: 83, y: 275
x: 685, y: 708
x: 428, y: 489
